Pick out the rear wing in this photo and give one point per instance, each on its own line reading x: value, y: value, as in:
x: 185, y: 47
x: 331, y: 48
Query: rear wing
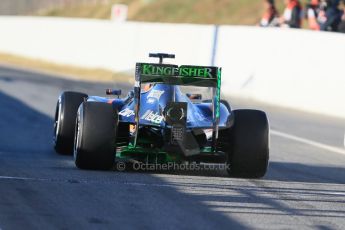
x: 201, y: 76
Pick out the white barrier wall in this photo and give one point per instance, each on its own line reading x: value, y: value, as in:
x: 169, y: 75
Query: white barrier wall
x: 100, y: 43
x: 293, y: 68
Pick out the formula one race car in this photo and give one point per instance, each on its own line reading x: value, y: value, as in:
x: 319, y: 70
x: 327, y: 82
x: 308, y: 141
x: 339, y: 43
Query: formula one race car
x: 158, y: 124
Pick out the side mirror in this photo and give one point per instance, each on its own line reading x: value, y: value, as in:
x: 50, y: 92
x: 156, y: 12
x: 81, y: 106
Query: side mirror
x: 194, y: 96
x: 113, y: 92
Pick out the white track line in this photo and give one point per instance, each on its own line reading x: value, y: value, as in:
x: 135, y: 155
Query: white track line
x: 21, y: 178
x: 308, y: 142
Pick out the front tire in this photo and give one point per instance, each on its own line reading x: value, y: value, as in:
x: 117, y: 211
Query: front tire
x: 95, y: 140
x: 65, y: 115
x: 248, y: 152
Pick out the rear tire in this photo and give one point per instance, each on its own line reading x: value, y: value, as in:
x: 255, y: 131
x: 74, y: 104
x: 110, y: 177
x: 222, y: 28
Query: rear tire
x: 95, y: 140
x: 65, y: 115
x: 248, y: 152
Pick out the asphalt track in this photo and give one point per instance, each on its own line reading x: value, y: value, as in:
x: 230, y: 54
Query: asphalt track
x: 304, y: 187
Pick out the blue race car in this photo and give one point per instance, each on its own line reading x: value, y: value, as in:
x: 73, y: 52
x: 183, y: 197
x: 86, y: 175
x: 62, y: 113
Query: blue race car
x: 158, y: 124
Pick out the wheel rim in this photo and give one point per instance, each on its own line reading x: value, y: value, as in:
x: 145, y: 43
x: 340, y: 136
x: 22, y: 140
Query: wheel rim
x: 57, y: 120
x: 77, y: 137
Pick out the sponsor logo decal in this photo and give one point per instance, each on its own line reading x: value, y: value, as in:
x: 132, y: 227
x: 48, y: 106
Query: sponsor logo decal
x: 155, y: 94
x: 151, y: 100
x: 152, y: 117
x: 127, y: 112
x: 183, y: 71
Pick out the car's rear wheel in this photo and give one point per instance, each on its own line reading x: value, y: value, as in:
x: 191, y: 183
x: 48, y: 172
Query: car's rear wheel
x: 65, y: 115
x: 248, y: 144
x: 95, y: 139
